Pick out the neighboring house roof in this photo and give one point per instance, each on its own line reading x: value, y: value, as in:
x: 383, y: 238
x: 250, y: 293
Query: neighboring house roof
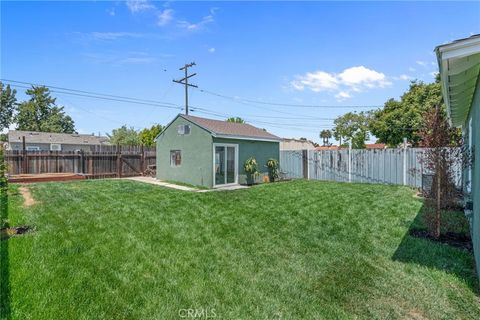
x: 459, y: 64
x: 15, y: 136
x: 320, y: 148
x: 232, y: 130
x: 376, y: 146
x: 296, y: 144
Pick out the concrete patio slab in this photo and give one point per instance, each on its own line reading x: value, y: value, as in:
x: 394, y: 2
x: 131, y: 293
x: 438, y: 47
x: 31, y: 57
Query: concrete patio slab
x: 152, y: 180
x: 157, y: 182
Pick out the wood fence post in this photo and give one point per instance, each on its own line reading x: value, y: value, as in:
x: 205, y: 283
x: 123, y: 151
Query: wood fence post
x: 305, y: 163
x: 350, y: 161
x: 404, y: 161
x: 119, y: 162
x: 82, y: 162
x: 56, y: 161
x: 142, y: 160
x: 25, y: 157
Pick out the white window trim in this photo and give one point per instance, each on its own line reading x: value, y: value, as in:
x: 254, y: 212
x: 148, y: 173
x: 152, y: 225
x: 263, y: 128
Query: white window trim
x: 182, y: 133
x: 181, y: 159
x: 236, y: 164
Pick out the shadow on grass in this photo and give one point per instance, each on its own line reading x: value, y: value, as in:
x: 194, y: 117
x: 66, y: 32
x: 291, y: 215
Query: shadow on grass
x: 4, y: 262
x: 440, y: 256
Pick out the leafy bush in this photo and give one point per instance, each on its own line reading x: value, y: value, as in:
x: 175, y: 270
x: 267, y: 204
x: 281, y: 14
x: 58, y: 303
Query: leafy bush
x: 251, y: 168
x: 273, y: 169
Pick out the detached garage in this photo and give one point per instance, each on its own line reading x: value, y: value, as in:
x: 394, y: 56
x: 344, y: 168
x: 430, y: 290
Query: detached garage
x: 211, y: 153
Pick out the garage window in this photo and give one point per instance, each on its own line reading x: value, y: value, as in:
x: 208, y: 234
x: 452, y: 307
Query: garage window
x: 175, y: 158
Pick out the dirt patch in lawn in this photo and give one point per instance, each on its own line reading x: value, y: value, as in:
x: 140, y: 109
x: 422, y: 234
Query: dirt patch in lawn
x: 27, y: 196
x: 6, y: 233
x: 454, y: 239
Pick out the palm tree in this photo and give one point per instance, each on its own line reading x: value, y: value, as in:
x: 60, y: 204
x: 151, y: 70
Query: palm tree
x: 325, y: 135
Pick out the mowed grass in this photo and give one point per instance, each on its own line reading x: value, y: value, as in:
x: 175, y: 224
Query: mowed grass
x: 125, y: 250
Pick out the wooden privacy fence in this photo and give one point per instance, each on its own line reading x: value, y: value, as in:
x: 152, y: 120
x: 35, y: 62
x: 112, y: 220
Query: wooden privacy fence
x: 98, y: 162
x: 401, y: 166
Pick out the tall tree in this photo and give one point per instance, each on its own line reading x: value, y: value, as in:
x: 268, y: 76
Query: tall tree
x: 124, y: 136
x: 40, y: 113
x: 235, y: 119
x: 326, y: 135
x: 8, y: 104
x: 148, y: 135
x: 441, y: 158
x: 352, y: 127
x: 404, y: 117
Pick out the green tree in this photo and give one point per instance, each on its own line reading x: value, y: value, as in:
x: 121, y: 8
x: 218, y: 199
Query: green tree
x: 8, y: 104
x: 326, y: 135
x: 40, y: 113
x: 124, y: 136
x: 353, y: 127
x: 404, y: 117
x: 235, y: 119
x: 148, y: 135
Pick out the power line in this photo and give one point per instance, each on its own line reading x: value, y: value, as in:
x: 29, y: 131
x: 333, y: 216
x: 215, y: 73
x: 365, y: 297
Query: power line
x: 276, y: 117
x: 90, y: 92
x: 158, y: 105
x: 300, y: 127
x: 288, y: 104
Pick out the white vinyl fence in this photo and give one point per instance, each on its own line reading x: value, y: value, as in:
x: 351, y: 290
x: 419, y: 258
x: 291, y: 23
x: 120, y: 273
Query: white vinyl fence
x: 401, y: 166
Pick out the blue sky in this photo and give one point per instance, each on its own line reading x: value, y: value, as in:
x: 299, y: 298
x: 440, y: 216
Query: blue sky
x: 312, y: 53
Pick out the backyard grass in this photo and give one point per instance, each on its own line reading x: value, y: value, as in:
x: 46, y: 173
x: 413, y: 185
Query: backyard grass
x: 317, y: 250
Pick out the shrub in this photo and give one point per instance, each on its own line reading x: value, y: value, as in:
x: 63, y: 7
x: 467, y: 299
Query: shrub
x: 251, y: 168
x: 273, y: 169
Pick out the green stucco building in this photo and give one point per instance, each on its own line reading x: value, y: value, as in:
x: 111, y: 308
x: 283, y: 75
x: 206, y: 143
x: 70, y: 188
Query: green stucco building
x: 459, y: 63
x: 211, y: 153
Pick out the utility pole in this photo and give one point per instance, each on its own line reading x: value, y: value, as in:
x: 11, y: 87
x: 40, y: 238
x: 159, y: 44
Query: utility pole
x: 184, y: 81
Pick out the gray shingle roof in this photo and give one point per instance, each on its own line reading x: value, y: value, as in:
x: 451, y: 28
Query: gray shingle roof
x: 224, y: 128
x: 50, y: 137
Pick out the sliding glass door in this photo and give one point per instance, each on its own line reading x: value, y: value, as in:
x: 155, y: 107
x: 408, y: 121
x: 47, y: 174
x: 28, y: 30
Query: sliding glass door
x: 225, y: 163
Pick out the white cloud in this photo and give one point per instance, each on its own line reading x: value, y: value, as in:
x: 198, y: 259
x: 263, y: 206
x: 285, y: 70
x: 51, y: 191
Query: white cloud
x: 120, y: 58
x: 165, y: 17
x: 211, y: 50
x: 316, y: 81
x: 354, y: 79
x: 421, y: 63
x: 411, y: 69
x: 360, y: 75
x: 196, y: 26
x: 114, y: 35
x: 111, y: 11
x: 342, y: 95
x: 139, y: 5
x: 405, y: 77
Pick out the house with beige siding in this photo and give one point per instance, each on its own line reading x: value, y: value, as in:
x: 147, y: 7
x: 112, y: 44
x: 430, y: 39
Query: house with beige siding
x: 50, y: 141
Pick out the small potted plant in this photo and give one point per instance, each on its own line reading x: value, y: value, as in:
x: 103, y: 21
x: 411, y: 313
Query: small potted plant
x: 273, y: 170
x: 251, y: 169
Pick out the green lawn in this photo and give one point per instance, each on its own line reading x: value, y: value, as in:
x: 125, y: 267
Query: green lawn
x: 124, y: 250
